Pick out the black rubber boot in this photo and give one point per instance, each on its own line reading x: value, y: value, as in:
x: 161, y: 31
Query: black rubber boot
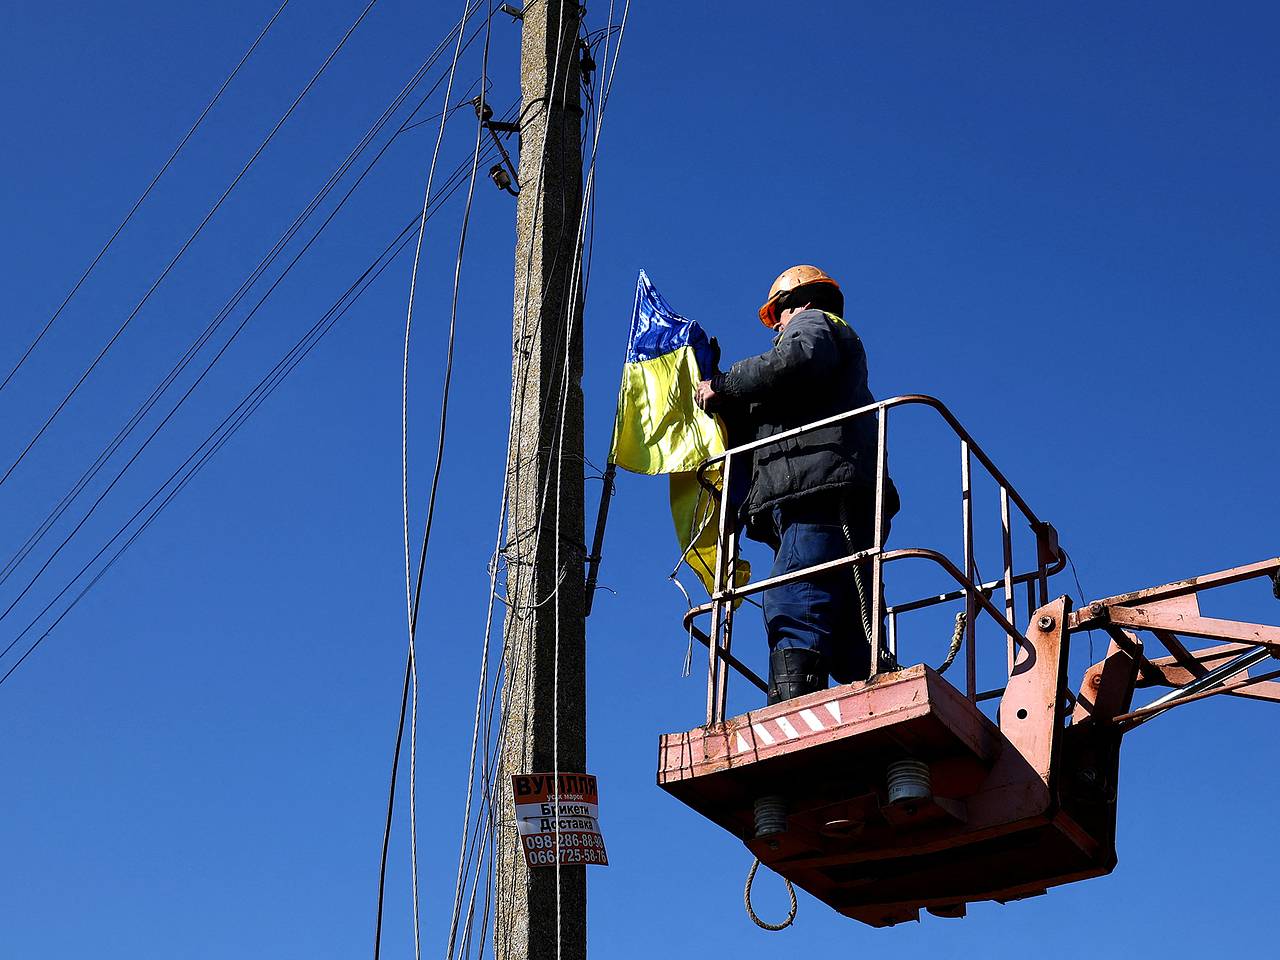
x: 793, y: 672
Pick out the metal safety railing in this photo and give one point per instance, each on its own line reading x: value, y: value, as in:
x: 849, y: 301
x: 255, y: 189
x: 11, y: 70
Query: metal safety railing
x: 976, y: 596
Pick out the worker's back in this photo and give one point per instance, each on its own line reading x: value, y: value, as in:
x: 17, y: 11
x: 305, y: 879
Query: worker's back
x: 825, y: 374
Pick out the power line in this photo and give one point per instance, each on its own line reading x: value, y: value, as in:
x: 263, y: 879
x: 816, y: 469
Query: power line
x: 191, y: 239
x: 411, y: 606
x: 413, y: 600
x: 327, y: 320
x: 230, y: 424
x: 214, y: 441
x: 243, y: 290
x: 190, y: 390
x: 453, y: 325
x: 145, y: 193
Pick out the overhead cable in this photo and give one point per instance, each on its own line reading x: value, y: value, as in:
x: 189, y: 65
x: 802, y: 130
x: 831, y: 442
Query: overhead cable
x: 190, y: 390
x: 224, y: 313
x: 223, y: 432
x: 211, y: 444
x: 186, y: 244
x: 143, y: 196
x: 411, y: 606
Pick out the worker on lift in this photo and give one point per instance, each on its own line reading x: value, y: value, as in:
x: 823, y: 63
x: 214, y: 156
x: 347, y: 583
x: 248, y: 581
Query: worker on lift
x: 812, y: 499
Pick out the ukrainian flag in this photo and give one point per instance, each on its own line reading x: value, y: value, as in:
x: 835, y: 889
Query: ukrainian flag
x: 660, y: 429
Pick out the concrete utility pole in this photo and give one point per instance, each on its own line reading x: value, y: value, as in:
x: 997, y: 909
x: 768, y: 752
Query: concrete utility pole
x: 545, y: 633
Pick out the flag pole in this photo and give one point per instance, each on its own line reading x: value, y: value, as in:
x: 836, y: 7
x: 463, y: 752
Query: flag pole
x: 597, y: 542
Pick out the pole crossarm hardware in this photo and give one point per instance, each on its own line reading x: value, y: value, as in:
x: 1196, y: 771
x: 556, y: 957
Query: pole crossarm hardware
x: 503, y: 175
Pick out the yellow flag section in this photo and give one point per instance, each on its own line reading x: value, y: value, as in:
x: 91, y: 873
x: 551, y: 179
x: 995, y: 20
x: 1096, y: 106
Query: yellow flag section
x: 659, y: 428
x: 697, y: 517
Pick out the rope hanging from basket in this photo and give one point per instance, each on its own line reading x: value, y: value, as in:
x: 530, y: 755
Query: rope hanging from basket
x: 888, y: 659
x: 957, y: 638
x: 746, y: 899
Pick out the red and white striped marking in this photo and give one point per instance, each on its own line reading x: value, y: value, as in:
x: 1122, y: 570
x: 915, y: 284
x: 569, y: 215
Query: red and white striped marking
x: 792, y: 726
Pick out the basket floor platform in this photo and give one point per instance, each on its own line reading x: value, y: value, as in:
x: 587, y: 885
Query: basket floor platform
x: 997, y: 826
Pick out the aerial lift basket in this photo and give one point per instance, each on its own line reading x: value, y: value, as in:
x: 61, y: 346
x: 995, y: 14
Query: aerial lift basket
x: 897, y: 794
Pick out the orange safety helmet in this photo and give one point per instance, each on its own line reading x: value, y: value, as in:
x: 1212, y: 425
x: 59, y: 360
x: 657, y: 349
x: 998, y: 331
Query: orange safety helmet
x: 801, y: 275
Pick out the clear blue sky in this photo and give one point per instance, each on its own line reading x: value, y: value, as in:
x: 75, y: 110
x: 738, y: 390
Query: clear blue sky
x: 1060, y: 218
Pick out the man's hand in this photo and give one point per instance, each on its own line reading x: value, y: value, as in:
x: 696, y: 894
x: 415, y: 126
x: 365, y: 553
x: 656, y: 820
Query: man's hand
x: 704, y: 396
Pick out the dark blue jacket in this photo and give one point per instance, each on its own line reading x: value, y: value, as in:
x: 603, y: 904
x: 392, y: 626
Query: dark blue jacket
x: 816, y: 369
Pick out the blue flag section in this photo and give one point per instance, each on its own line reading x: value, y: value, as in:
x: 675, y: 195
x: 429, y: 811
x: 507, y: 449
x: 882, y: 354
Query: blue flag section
x: 656, y: 329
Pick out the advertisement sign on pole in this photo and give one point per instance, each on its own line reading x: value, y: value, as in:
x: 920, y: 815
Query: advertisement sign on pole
x: 558, y: 815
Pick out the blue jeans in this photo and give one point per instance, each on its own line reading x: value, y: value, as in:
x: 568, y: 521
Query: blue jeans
x: 822, y: 613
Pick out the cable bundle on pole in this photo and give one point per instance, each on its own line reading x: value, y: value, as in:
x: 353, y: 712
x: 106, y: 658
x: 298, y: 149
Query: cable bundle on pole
x: 511, y: 678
